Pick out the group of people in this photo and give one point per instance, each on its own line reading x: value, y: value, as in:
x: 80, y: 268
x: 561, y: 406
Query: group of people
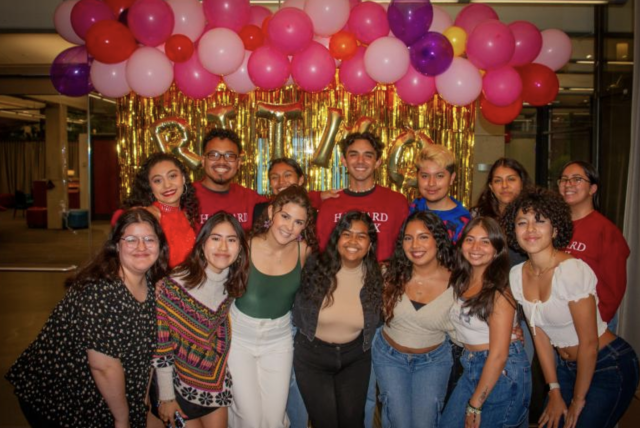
x: 214, y: 305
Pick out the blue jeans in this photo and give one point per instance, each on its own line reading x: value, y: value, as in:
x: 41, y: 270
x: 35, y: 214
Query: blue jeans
x: 412, y: 386
x: 507, y: 403
x: 614, y: 383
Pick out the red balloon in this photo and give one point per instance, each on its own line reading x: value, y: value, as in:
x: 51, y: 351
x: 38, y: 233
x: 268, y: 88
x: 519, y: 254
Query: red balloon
x: 178, y: 48
x: 343, y: 45
x: 119, y: 6
x: 110, y: 42
x: 265, y: 26
x: 540, y: 84
x: 252, y: 37
x: 500, y: 115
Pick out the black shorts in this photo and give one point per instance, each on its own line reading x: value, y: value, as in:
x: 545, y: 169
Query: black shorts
x: 192, y: 410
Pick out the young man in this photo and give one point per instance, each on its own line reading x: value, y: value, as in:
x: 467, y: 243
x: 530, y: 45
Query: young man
x: 436, y: 174
x: 216, y: 192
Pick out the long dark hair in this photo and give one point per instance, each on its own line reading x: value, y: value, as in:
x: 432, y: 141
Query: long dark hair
x: 319, y: 273
x: 106, y: 264
x: 288, y: 161
x: 488, y: 205
x: 293, y: 194
x: 142, y: 196
x: 495, y: 278
x: 400, y: 267
x: 192, y: 270
x: 592, y: 174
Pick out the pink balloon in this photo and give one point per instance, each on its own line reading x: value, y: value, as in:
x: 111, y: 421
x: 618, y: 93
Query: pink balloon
x: 415, y: 88
x: 258, y: 14
x: 461, y: 84
x: 502, y: 87
x: 296, y: 4
x: 353, y: 75
x: 110, y: 79
x: 441, y: 20
x: 474, y: 14
x: 328, y: 16
x: 239, y: 81
x: 62, y: 22
x: 290, y: 30
x: 151, y: 21
x: 221, y: 51
x: 232, y: 14
x: 368, y: 21
x: 149, y: 72
x: 193, y: 79
x: 387, y: 60
x: 354, y: 3
x: 85, y: 13
x: 490, y: 45
x: 556, y: 49
x: 314, y: 68
x: 528, y: 43
x: 188, y: 17
x: 268, y: 68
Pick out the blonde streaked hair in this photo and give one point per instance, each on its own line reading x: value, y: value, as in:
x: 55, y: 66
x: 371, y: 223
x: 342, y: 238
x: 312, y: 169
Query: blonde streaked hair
x: 438, y: 154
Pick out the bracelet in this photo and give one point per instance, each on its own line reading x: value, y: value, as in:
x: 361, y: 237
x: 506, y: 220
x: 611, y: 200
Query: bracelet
x: 553, y: 385
x: 471, y: 410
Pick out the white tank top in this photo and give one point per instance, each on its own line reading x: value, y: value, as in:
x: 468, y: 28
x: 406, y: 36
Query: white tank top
x: 471, y: 330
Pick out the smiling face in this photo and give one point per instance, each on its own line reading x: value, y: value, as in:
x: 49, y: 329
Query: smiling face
x: 505, y: 185
x: 361, y: 162
x: 577, y: 195
x: 353, y: 244
x: 167, y: 183
x: 138, y: 249
x: 220, y: 172
x: 222, y: 247
x: 533, y: 235
x: 434, y: 181
x: 287, y: 223
x: 282, y: 176
x: 418, y: 244
x: 477, y: 248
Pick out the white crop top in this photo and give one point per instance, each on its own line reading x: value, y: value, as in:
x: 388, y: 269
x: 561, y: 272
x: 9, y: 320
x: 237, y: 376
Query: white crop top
x: 471, y: 330
x: 573, y: 280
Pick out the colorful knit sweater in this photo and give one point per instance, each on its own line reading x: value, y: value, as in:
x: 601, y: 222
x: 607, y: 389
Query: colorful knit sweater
x: 194, y: 337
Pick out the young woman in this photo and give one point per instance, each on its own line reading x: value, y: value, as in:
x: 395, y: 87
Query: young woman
x: 596, y: 240
x: 411, y: 354
x: 162, y: 185
x: 507, y: 178
x: 596, y: 374
x: 337, y: 311
x: 262, y: 352
x: 194, y: 336
x: 90, y: 365
x: 495, y: 387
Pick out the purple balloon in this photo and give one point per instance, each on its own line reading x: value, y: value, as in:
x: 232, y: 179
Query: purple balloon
x: 432, y: 54
x: 71, y: 71
x: 410, y: 19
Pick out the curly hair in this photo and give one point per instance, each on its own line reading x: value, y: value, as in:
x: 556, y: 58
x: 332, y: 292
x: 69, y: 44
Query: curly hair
x: 375, y: 142
x: 400, y: 268
x: 293, y: 194
x: 495, y: 278
x: 106, y: 264
x: 488, y: 204
x: 222, y: 134
x: 193, y: 269
x: 592, y: 174
x: 142, y: 196
x: 544, y: 203
x: 319, y: 272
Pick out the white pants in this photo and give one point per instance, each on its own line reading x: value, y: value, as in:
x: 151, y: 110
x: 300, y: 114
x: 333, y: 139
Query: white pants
x: 260, y: 362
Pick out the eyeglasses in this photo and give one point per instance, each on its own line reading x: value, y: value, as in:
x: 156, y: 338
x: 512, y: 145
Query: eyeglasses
x: 573, y: 181
x: 133, y: 241
x: 216, y: 156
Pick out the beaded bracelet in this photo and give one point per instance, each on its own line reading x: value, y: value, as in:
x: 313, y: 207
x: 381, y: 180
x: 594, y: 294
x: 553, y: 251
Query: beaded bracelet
x: 471, y: 410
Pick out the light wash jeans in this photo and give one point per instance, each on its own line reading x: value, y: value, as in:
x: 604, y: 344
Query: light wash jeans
x: 507, y: 403
x: 412, y: 386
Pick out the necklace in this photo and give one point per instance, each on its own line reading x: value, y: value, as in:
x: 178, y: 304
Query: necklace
x: 545, y: 270
x: 362, y: 191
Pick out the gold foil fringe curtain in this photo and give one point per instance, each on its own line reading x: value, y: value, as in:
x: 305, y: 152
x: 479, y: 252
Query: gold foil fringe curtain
x: 445, y: 124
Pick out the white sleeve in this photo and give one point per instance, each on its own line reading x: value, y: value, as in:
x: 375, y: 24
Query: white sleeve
x: 515, y: 282
x: 574, y: 280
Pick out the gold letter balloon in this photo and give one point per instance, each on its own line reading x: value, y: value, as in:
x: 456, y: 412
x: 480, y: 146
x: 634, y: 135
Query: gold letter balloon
x: 173, y: 135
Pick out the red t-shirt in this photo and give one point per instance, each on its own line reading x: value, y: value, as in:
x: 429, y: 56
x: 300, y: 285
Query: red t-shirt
x: 237, y: 201
x: 599, y: 243
x: 387, y: 209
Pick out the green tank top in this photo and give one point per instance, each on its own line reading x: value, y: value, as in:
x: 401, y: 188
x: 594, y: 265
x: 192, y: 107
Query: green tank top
x: 269, y: 296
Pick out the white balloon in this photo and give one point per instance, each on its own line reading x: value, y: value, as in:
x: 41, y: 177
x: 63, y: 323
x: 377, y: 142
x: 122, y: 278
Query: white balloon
x: 221, y: 51
x: 110, y: 79
x: 149, y: 72
x: 239, y: 81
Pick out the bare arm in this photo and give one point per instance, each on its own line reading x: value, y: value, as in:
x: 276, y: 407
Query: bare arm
x: 556, y: 407
x: 109, y: 377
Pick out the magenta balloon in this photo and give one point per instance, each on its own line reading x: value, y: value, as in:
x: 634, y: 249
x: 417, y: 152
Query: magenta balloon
x: 290, y: 30
x: 368, y: 21
x: 353, y: 75
x: 502, y: 87
x: 62, y: 22
x: 188, y: 18
x: 314, y: 68
x: 258, y: 14
x: 556, y: 49
x: 474, y: 14
x: 193, y: 79
x: 268, y: 68
x: 490, y: 45
x: 461, y: 84
x: 149, y: 72
x: 110, y: 79
x: 528, y: 43
x: 232, y: 14
x: 415, y: 88
x: 239, y: 81
x: 354, y: 3
x: 441, y: 20
x: 151, y: 21
x: 85, y: 13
